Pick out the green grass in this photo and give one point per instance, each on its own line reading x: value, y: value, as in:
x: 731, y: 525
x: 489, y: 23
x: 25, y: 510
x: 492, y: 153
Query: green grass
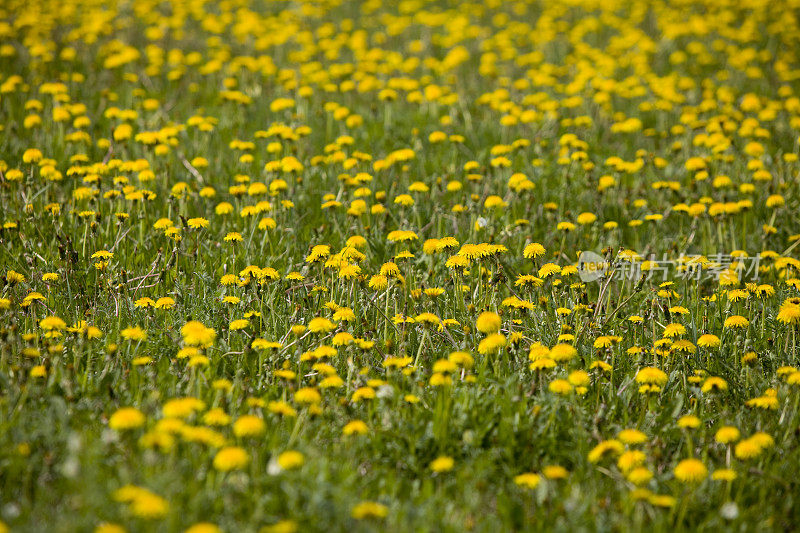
x: 633, y: 113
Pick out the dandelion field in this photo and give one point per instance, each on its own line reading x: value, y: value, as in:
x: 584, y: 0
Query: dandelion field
x: 405, y: 266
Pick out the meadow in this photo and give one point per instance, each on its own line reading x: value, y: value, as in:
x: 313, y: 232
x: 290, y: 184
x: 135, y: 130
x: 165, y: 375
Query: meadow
x: 426, y: 265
